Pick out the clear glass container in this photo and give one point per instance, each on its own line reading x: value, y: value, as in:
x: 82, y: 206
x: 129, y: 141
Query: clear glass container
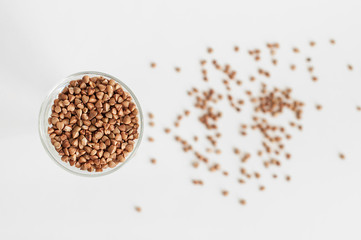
x: 45, y: 112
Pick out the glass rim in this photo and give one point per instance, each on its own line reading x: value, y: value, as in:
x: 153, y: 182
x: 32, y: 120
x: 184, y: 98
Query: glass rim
x: 43, y: 114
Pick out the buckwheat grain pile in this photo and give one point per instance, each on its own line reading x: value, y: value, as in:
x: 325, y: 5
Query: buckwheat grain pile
x: 93, y: 124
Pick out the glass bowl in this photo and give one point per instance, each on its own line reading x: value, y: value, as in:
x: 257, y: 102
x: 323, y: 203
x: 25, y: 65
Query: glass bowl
x: 45, y: 112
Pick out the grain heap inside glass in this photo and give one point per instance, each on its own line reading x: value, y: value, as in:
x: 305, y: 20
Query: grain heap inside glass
x: 93, y: 124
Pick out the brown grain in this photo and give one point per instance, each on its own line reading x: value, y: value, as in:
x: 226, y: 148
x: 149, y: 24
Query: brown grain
x: 225, y: 193
x: 197, y: 182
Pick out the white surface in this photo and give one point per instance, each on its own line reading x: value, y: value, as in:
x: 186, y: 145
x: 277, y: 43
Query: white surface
x: 44, y: 41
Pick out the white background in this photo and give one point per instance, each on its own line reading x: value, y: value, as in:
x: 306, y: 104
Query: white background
x: 41, y: 42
